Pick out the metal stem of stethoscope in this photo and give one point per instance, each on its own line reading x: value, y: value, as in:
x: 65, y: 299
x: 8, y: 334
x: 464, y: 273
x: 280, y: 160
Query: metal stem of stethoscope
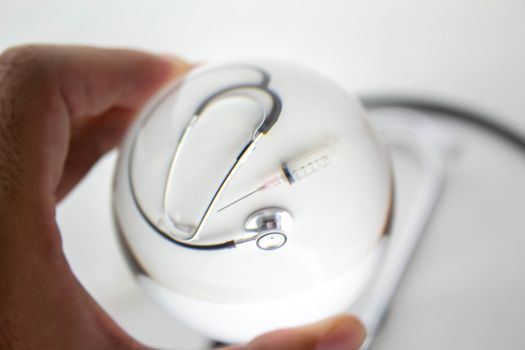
x: 270, y: 117
x: 167, y: 226
x: 243, y: 155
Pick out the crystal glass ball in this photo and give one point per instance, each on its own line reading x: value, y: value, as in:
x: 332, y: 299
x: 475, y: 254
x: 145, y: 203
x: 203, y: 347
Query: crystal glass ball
x: 251, y: 196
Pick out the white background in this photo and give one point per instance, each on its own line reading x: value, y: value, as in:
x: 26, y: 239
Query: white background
x: 465, y: 288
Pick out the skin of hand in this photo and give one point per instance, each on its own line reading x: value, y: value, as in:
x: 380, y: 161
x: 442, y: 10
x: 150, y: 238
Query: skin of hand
x: 61, y: 109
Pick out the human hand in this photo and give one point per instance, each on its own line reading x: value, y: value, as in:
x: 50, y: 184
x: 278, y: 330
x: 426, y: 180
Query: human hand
x: 61, y: 109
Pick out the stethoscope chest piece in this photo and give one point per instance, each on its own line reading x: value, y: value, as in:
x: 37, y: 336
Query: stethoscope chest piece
x: 272, y: 226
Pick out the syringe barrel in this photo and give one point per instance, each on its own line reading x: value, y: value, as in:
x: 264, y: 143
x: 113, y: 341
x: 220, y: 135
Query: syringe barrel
x: 308, y: 164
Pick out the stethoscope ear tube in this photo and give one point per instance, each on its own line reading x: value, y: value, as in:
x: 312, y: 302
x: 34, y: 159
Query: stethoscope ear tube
x: 270, y: 118
x: 169, y: 227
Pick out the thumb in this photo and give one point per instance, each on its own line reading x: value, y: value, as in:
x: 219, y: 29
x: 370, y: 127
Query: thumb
x: 336, y: 333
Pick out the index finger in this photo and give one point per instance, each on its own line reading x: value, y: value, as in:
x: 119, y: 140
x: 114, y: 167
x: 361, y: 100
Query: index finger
x: 45, y: 90
x: 89, y: 79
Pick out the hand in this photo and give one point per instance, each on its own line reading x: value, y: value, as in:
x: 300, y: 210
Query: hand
x: 61, y: 109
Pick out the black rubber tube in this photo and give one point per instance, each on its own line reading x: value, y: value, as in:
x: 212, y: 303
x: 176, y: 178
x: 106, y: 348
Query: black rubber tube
x: 445, y: 109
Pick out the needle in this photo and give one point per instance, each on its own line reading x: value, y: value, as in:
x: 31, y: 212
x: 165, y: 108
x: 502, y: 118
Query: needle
x: 295, y: 170
x: 240, y: 199
x: 274, y: 181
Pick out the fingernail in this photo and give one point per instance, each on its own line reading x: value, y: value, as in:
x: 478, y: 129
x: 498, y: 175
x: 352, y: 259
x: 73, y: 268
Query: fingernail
x: 348, y: 335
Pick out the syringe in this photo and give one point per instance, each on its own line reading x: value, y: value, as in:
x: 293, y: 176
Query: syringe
x: 295, y: 170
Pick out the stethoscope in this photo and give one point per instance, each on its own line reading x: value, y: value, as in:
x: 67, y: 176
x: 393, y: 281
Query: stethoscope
x: 268, y: 227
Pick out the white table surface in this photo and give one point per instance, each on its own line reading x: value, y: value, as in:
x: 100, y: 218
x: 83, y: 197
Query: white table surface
x: 465, y: 287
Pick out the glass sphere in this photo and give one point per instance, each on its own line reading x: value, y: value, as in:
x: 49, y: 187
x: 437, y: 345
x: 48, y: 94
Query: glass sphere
x: 251, y: 196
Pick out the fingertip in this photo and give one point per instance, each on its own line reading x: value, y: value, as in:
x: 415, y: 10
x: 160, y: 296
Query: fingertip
x: 339, y: 332
x: 178, y: 65
x: 347, y: 333
x: 151, y: 72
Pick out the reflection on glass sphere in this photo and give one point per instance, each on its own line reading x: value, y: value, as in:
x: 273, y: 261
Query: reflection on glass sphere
x: 250, y: 197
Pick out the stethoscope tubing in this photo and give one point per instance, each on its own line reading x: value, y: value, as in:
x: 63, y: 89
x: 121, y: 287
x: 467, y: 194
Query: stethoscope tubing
x: 264, y: 127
